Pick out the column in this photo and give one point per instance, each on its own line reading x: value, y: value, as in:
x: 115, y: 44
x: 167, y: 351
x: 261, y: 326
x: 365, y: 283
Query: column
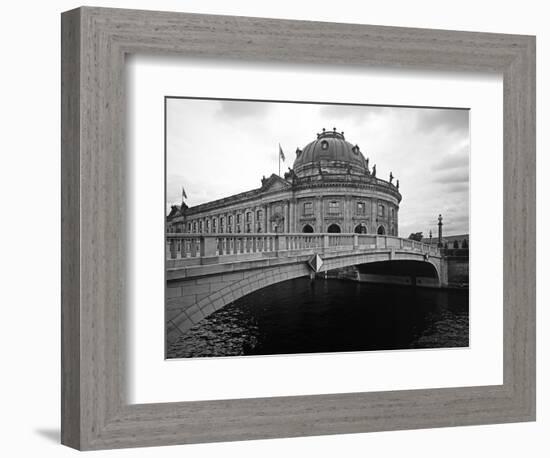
x: 374, y: 215
x: 292, y: 223
x: 348, y: 225
x: 267, y: 217
x: 287, y: 217
x: 319, y: 215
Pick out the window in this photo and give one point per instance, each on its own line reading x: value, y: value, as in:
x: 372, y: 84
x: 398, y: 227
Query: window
x: 230, y: 220
x: 248, y: 216
x: 207, y: 225
x: 200, y: 226
x: 308, y: 208
x: 360, y: 208
x: 188, y: 227
x: 393, y: 212
x: 324, y: 145
x: 214, y: 226
x: 238, y: 218
x: 248, y: 227
x: 194, y: 226
x: 381, y: 210
x: 258, y: 215
x: 334, y: 207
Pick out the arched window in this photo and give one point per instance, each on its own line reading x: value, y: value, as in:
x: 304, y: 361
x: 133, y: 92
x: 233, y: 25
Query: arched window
x: 307, y: 229
x: 381, y: 230
x: 360, y: 229
x: 334, y: 229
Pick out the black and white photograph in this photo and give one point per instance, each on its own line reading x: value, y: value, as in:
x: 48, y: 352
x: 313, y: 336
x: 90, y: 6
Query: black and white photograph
x: 297, y: 228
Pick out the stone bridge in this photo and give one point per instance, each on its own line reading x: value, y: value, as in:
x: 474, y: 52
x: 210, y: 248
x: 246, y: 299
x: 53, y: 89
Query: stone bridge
x: 205, y: 272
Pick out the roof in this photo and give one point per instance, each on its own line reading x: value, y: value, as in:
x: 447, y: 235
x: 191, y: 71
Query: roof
x: 330, y: 146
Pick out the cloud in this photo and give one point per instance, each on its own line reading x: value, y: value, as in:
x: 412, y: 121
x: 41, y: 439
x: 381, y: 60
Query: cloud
x: 458, y: 187
x: 448, y: 120
x: 453, y: 176
x: 234, y: 109
x: 459, y: 160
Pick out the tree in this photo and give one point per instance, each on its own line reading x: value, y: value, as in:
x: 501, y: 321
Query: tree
x: 418, y: 236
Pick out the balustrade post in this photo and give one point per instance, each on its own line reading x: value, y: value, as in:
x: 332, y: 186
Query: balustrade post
x: 355, y: 241
x: 326, y: 242
x: 172, y: 245
x: 282, y: 242
x: 208, y: 246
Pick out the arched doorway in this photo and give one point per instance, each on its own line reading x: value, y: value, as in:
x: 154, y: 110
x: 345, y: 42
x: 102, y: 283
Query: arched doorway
x: 334, y: 229
x: 307, y: 229
x: 360, y: 229
x: 381, y: 230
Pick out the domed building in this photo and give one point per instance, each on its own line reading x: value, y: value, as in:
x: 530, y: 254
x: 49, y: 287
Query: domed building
x: 330, y: 188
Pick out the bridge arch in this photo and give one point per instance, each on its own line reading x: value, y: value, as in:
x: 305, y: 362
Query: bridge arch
x: 193, y: 299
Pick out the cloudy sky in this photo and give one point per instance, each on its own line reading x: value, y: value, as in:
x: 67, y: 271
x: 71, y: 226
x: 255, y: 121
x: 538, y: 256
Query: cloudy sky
x: 216, y: 148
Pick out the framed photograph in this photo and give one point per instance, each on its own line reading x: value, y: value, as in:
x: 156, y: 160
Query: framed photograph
x: 277, y: 228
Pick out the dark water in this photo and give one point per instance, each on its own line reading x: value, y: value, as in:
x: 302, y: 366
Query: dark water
x: 300, y: 316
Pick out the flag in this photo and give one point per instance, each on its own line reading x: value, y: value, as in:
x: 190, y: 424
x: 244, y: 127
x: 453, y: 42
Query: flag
x: 183, y: 195
x: 281, y: 154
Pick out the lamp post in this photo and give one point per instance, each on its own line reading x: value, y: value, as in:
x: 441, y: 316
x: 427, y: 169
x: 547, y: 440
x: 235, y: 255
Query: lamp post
x: 440, y: 232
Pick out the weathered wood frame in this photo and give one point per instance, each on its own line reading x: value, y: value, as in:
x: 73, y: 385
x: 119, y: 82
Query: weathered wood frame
x: 95, y: 413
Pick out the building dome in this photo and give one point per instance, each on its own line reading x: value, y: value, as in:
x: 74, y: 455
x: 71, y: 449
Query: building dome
x: 330, y: 148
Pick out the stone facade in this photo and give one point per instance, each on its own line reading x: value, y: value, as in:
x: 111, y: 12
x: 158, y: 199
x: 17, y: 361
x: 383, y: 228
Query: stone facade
x: 330, y: 188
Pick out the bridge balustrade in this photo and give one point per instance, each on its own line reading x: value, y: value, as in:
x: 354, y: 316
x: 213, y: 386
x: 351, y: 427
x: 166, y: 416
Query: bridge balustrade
x: 182, y: 246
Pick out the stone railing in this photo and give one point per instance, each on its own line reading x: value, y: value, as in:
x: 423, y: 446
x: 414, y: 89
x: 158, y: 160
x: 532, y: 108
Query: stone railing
x: 183, y: 246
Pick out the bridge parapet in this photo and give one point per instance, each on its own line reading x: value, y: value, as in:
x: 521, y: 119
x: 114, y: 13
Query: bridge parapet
x: 194, y: 247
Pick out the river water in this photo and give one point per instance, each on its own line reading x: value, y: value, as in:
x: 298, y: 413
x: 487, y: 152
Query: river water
x: 330, y: 315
